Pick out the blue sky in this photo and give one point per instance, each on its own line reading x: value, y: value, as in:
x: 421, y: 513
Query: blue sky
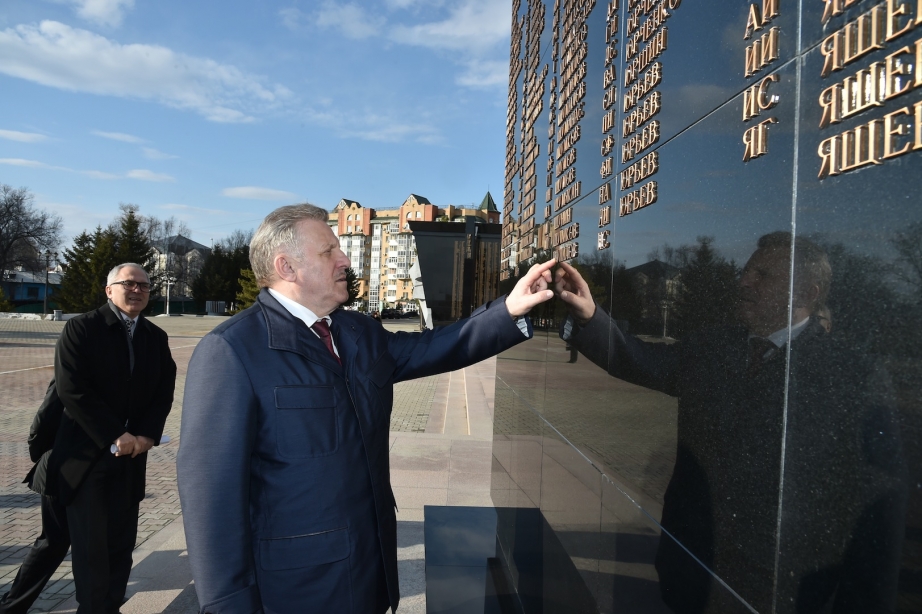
x: 217, y: 111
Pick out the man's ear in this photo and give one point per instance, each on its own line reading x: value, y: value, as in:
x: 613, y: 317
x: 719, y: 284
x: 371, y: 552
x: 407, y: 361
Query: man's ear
x: 807, y: 296
x: 283, y: 268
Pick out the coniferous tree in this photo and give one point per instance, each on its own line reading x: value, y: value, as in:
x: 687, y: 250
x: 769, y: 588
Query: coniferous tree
x: 86, y: 265
x: 353, y: 283
x: 249, y: 290
x: 219, y: 279
x: 709, y: 289
x: 5, y: 305
x: 133, y: 244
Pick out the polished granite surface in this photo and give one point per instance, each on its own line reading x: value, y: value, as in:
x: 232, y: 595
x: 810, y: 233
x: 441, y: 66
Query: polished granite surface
x: 664, y: 456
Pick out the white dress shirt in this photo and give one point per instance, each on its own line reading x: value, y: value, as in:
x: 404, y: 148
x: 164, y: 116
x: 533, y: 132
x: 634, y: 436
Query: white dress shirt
x: 302, y: 313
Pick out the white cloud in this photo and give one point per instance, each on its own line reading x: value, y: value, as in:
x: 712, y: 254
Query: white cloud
x: 179, y: 207
x: 103, y: 12
x: 22, y: 137
x: 473, y: 27
x: 292, y: 18
x: 474, y: 32
x: 57, y: 55
x: 146, y: 175
x: 153, y: 154
x: 25, y: 163
x: 256, y: 193
x: 485, y: 73
x: 119, y: 136
x: 96, y: 174
x: 405, y: 4
x: 353, y: 20
x: 141, y: 174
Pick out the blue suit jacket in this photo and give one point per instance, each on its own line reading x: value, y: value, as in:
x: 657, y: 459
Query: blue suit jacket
x: 283, y: 462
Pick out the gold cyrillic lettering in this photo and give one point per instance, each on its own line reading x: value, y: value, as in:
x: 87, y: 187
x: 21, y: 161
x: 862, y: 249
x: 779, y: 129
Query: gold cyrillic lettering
x: 890, y: 131
x: 828, y: 152
x: 894, y: 28
x: 859, y: 147
x: 895, y: 68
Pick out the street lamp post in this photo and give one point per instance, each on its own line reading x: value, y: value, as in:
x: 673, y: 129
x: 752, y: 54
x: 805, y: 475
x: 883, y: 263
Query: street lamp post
x: 48, y: 255
x: 169, y: 279
x: 666, y: 304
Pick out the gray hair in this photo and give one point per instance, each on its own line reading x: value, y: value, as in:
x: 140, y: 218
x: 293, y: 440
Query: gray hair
x: 113, y: 274
x: 279, y: 232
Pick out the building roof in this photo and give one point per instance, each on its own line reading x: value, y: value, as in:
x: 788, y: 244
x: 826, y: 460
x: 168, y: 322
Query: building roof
x: 421, y: 200
x: 31, y: 277
x: 180, y: 244
x: 345, y: 204
x: 487, y: 204
x: 655, y: 269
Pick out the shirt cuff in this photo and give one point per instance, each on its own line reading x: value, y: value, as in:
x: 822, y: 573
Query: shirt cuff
x: 522, y: 324
x: 567, y: 328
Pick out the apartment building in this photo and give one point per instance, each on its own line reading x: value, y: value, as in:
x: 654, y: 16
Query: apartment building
x: 382, y: 248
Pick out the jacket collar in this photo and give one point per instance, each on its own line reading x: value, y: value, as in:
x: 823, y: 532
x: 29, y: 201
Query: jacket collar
x: 108, y: 312
x: 289, y: 334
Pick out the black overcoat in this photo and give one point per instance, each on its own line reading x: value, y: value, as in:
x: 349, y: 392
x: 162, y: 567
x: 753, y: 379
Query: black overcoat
x: 104, y: 398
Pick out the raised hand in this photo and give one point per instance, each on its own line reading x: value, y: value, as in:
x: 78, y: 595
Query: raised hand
x: 573, y: 290
x: 531, y: 290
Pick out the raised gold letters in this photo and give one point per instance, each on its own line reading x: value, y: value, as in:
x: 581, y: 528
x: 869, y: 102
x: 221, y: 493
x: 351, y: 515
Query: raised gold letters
x: 897, y: 133
x: 757, y: 19
x: 605, y: 216
x: 642, y: 197
x: 602, y: 242
x: 756, y: 139
x: 640, y: 170
x: 762, y: 51
x: 607, y: 168
x: 757, y: 99
x: 604, y: 193
x: 898, y: 73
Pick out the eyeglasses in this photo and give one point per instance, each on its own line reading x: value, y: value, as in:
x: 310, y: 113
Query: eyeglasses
x: 130, y: 284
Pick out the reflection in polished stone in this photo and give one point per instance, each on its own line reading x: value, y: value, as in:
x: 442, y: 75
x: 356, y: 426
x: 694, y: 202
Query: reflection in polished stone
x: 723, y: 502
x: 790, y: 477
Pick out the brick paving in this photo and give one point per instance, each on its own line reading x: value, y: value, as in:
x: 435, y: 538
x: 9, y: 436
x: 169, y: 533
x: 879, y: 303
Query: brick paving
x: 412, y: 402
x: 26, y: 359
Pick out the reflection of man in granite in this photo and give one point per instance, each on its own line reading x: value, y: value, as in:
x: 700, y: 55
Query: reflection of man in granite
x: 836, y: 446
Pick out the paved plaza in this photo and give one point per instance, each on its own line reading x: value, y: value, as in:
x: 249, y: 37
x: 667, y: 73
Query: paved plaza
x: 440, y: 438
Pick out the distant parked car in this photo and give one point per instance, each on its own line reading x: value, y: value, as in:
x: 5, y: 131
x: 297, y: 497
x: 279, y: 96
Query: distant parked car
x: 389, y: 314
x: 411, y: 314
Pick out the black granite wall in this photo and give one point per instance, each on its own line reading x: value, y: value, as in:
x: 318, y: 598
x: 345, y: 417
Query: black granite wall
x: 653, y: 145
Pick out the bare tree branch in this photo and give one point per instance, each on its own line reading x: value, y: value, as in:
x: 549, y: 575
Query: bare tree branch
x: 24, y: 230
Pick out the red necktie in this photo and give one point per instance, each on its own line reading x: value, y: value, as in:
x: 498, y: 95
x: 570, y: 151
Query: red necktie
x: 323, y: 331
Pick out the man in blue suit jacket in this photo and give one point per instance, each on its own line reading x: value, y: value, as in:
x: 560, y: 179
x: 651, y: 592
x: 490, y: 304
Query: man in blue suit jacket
x: 283, y: 462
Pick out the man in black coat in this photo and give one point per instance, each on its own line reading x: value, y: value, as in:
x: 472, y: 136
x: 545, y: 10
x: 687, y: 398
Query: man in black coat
x: 788, y: 483
x: 115, y: 375
x: 52, y: 544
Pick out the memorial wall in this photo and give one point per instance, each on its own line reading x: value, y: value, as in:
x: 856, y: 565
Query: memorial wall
x: 718, y: 173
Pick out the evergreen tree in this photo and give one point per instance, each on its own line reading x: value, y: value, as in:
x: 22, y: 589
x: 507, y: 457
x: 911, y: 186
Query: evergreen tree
x: 709, y: 289
x: 5, y: 305
x: 133, y: 244
x: 219, y: 279
x: 249, y: 290
x: 86, y: 265
x: 353, y: 283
